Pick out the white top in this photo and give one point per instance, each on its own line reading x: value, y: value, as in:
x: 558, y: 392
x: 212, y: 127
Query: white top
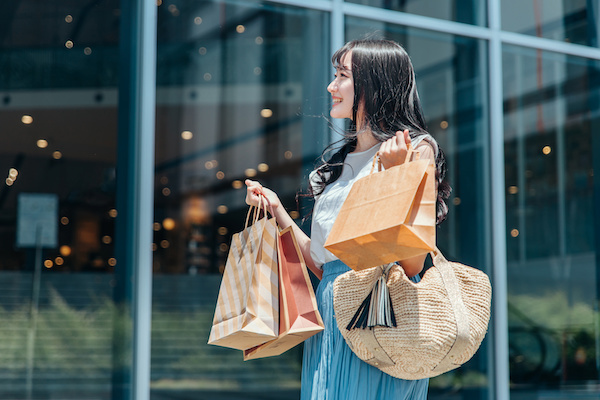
x: 329, y: 202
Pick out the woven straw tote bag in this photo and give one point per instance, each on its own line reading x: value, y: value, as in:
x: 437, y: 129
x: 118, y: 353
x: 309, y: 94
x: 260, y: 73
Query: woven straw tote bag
x: 414, y: 330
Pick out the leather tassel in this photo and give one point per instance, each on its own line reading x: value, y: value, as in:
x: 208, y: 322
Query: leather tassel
x: 361, y: 315
x: 376, y: 309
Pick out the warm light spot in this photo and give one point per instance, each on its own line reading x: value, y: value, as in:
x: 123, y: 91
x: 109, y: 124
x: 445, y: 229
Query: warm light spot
x: 173, y: 10
x: 257, y: 71
x: 13, y: 172
x: 220, y: 175
x: 187, y: 135
x: 222, y: 231
x: 513, y: 189
x: 42, y: 143
x: 444, y: 124
x: 112, y: 261
x: 202, y: 51
x: 59, y: 261
x: 223, y: 247
x: 207, y: 76
x: 514, y: 233
x: 197, y: 20
x: 9, y: 181
x: 106, y: 239
x: 209, y: 165
x: 250, y: 172
x: 87, y: 51
x: 158, y: 3
x: 69, y: 44
x: 27, y: 119
x: 168, y: 224
x: 164, y: 244
x: 156, y: 226
x: 237, y: 184
x: 48, y: 264
x: 222, y: 209
x: 263, y: 167
x: 259, y: 40
x: 456, y: 201
x: 288, y: 155
x: 154, y: 247
x: 57, y: 155
x: 112, y: 213
x: 266, y: 113
x: 294, y: 214
x: 164, y: 180
x: 240, y: 29
x: 166, y: 191
x: 65, y: 250
x: 547, y: 150
x: 64, y: 220
x: 69, y: 19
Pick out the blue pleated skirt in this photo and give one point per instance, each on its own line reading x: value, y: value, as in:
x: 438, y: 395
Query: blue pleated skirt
x: 331, y: 371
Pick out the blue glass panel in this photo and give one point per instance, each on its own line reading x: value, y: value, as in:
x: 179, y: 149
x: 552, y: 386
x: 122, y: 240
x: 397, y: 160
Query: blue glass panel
x: 551, y: 104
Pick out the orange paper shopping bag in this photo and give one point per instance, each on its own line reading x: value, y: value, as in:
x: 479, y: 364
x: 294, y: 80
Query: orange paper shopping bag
x: 247, y: 310
x: 388, y: 216
x: 299, y: 316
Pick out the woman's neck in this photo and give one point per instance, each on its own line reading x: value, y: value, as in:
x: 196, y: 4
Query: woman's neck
x: 364, y: 140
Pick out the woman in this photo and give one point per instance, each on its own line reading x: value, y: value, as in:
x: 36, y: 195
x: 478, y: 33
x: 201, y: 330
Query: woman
x: 375, y: 88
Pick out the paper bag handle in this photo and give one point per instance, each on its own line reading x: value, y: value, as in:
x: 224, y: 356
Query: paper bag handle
x: 411, y: 155
x: 257, y: 209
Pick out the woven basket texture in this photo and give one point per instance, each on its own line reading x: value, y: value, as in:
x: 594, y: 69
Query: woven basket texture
x: 426, y: 328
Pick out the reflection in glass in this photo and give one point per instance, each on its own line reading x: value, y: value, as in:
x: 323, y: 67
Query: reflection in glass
x: 451, y: 73
x: 248, y: 82
x: 58, y: 116
x: 551, y: 105
x: 569, y: 21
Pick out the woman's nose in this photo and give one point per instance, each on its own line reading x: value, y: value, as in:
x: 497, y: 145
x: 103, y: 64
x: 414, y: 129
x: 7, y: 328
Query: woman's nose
x: 332, y: 87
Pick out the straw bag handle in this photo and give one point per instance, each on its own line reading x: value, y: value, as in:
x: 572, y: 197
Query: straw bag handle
x: 458, y: 307
x: 411, y: 155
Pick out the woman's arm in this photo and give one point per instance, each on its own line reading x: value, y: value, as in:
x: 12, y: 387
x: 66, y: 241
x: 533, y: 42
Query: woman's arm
x: 392, y: 153
x: 253, y: 191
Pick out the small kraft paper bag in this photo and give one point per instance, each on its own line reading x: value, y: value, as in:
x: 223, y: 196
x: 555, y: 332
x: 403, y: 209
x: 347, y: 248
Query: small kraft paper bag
x: 299, y: 316
x: 388, y: 216
x: 246, y: 313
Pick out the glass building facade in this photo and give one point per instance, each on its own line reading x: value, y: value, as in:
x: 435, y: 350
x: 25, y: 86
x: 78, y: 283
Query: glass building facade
x: 128, y: 128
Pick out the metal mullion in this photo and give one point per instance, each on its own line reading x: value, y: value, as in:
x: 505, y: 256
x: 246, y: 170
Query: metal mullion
x: 135, y: 200
x: 416, y: 21
x: 498, y: 208
x: 554, y: 46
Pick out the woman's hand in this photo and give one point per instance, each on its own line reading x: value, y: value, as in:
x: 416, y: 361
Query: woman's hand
x: 255, y: 189
x: 394, y: 150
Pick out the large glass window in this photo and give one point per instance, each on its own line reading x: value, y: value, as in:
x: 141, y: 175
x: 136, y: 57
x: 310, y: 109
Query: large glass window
x: 241, y: 93
x: 466, y: 11
x: 574, y: 21
x: 551, y: 114
x: 451, y: 77
x: 58, y: 116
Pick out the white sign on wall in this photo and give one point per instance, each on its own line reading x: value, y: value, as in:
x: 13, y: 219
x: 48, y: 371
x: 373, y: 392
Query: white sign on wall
x: 37, y: 220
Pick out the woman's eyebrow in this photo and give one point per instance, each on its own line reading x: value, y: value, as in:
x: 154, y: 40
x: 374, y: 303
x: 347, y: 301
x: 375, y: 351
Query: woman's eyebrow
x: 342, y: 68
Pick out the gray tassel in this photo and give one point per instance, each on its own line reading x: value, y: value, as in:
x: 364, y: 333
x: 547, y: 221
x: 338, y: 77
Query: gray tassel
x: 376, y: 309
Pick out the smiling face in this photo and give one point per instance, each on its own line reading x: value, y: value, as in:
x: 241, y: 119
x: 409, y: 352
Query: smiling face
x: 342, y: 89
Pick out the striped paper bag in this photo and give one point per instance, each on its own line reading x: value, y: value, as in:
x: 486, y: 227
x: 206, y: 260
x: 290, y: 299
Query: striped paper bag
x: 299, y: 316
x: 247, y: 310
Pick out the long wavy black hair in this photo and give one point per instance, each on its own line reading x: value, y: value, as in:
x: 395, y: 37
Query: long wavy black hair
x: 387, y: 101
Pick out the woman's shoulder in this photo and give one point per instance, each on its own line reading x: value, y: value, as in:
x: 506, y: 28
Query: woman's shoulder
x: 426, y: 145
